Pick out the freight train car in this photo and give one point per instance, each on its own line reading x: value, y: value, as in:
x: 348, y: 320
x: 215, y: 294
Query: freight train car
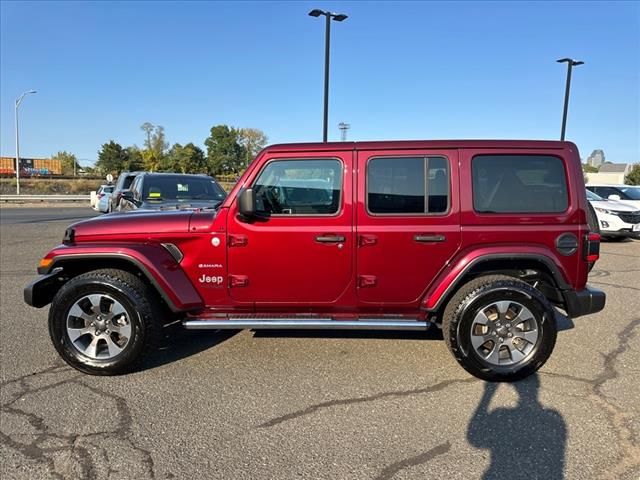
x: 30, y: 167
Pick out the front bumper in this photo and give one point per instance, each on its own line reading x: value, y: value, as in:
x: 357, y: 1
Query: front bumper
x: 585, y: 302
x: 41, y: 291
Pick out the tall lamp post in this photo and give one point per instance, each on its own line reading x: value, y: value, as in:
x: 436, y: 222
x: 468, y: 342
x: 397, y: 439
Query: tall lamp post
x: 18, y: 102
x: 570, y: 64
x: 338, y: 17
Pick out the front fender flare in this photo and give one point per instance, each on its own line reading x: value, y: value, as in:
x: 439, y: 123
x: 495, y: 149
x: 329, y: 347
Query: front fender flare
x: 155, y: 263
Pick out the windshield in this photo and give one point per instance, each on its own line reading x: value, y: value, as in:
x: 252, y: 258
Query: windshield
x: 632, y: 192
x: 182, y: 188
x: 593, y: 196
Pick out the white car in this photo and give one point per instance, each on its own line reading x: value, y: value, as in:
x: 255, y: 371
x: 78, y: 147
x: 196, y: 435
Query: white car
x: 627, y: 194
x: 616, y: 219
x: 102, y: 198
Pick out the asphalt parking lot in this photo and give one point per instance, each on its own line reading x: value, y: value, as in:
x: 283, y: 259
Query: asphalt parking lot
x: 279, y: 405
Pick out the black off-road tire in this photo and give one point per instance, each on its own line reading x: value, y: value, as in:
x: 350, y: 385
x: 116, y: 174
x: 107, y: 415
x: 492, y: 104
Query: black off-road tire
x: 481, y: 292
x: 143, y: 307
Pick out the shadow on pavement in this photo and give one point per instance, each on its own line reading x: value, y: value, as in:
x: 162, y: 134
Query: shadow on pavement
x: 180, y: 343
x: 526, y: 441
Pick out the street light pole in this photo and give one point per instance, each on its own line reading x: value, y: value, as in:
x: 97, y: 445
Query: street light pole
x: 18, y: 102
x: 338, y: 17
x: 570, y: 64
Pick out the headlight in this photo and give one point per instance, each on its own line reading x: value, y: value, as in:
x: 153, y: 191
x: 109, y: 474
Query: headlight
x: 608, y: 212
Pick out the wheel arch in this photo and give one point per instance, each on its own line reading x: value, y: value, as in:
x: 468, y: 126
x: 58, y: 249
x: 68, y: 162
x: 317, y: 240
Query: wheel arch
x: 537, y: 269
x: 171, y: 283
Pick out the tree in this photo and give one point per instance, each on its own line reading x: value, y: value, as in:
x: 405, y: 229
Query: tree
x: 224, y: 152
x: 148, y: 128
x: 155, y: 146
x: 68, y: 162
x: 186, y: 159
x: 634, y: 175
x: 253, y: 140
x: 112, y: 158
x: 134, y: 160
x: 588, y: 168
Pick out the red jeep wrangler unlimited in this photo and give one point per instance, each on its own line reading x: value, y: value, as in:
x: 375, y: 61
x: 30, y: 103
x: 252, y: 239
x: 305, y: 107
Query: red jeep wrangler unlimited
x: 483, y: 238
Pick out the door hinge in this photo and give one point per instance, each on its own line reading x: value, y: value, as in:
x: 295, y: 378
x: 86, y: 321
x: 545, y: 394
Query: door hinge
x: 365, y: 240
x: 365, y: 281
x: 238, y: 281
x: 238, y: 240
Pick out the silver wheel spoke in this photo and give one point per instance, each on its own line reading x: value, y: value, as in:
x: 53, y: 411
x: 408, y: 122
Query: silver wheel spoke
x: 516, y: 355
x: 481, y: 318
x: 503, y: 307
x: 92, y: 348
x: 113, y: 348
x: 76, y: 333
x: 494, y: 355
x: 117, y: 310
x: 478, y: 340
x: 95, y: 303
x: 523, y: 315
x: 77, y: 312
x: 124, y: 330
x: 530, y: 336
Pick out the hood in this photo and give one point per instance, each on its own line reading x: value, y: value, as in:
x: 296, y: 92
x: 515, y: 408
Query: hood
x: 613, y: 205
x: 131, y: 225
x: 182, y: 205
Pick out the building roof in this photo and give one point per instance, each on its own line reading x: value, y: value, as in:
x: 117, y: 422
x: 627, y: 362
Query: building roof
x: 613, y: 168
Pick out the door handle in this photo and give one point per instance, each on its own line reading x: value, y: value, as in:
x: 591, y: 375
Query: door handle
x: 330, y: 238
x: 429, y: 238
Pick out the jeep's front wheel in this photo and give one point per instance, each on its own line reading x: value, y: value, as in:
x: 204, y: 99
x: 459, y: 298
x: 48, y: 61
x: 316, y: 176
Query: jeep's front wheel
x: 102, y: 322
x: 499, y: 328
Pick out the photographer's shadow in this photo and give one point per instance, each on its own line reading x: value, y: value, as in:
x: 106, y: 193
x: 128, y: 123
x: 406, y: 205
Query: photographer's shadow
x: 527, y: 441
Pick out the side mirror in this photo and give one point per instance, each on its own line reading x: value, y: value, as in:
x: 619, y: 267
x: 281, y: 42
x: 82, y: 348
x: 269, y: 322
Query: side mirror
x: 247, y: 203
x: 128, y: 196
x: 614, y: 197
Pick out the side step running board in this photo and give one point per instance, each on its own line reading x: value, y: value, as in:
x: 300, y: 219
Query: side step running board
x: 284, y: 323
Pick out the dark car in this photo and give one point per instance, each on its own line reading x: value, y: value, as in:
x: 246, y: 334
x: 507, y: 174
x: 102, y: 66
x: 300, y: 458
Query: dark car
x: 170, y: 191
x: 123, y: 183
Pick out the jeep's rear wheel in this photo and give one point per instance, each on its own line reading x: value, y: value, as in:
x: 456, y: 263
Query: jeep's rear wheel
x: 499, y: 328
x: 102, y: 322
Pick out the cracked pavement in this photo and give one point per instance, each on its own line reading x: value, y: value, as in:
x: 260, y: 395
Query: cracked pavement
x: 347, y: 405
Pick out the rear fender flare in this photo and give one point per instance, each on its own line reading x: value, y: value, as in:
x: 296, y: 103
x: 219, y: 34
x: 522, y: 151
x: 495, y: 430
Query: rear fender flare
x: 452, y: 277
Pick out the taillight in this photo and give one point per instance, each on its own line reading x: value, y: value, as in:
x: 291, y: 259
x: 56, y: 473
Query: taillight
x: 592, y: 247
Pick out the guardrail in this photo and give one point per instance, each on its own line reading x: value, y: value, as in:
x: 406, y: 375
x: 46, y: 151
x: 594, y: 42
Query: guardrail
x: 44, y: 198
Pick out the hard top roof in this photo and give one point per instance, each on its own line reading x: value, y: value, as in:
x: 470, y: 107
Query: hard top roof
x: 416, y: 144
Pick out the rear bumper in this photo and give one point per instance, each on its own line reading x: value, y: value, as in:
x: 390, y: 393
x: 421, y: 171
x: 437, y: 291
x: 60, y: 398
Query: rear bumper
x: 623, y: 232
x: 585, y: 302
x: 41, y: 291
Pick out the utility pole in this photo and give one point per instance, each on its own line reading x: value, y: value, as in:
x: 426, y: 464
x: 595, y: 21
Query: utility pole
x: 18, y: 102
x: 338, y: 17
x: 343, y: 131
x: 570, y: 64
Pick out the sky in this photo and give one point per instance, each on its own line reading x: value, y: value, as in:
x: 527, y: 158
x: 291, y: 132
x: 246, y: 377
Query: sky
x: 399, y: 70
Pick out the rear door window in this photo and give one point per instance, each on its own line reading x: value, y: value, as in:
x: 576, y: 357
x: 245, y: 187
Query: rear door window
x: 519, y: 184
x: 408, y: 185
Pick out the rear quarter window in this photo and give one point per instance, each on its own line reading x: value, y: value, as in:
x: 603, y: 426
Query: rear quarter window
x: 519, y: 184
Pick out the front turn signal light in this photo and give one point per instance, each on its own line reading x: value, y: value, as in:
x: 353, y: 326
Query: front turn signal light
x: 45, y: 263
